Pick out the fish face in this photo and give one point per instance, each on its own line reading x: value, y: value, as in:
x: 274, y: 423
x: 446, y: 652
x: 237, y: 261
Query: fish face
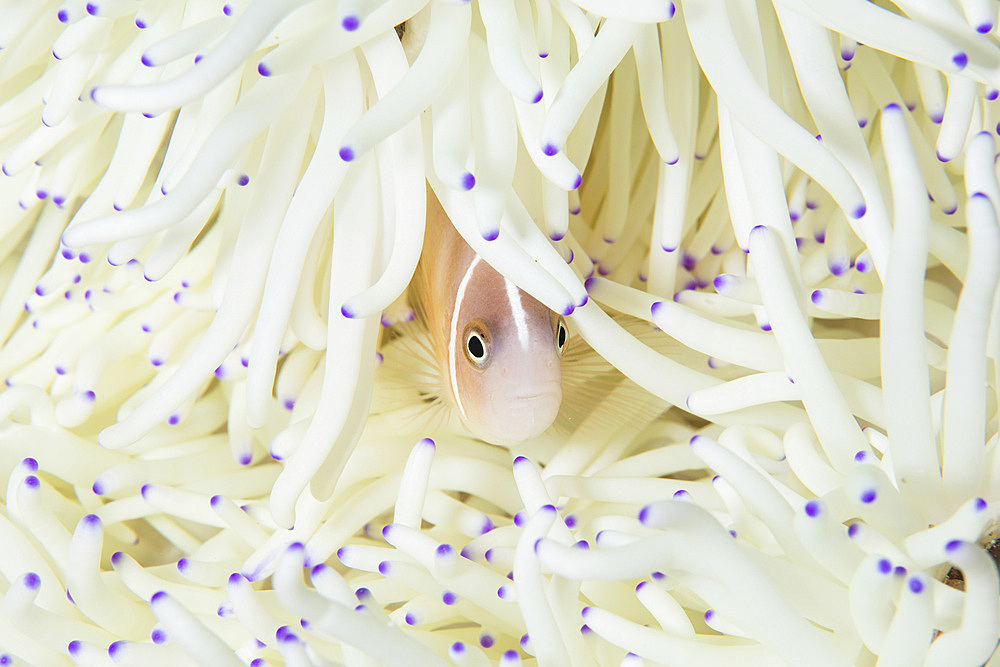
x: 505, y: 359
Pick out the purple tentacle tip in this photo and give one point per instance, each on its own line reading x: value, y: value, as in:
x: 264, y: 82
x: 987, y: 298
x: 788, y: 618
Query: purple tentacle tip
x: 860, y: 211
x: 346, y: 153
x: 884, y: 566
x: 960, y: 59
x: 644, y: 514
x: 263, y: 69
x: 952, y: 545
x: 979, y: 505
x: 916, y: 585
x: 868, y: 496
x: 92, y: 9
x: 491, y: 234
x: 984, y: 28
x: 32, y: 581
x: 577, y: 182
x: 350, y: 23
x: 468, y: 181
x: 538, y: 97
x: 158, y: 596
x: 63, y: 16
x: 550, y: 149
x: 568, y: 310
x: 813, y: 508
x: 146, y: 61
x: 816, y: 296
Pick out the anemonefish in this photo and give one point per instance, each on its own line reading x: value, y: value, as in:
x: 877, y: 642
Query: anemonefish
x: 498, y: 350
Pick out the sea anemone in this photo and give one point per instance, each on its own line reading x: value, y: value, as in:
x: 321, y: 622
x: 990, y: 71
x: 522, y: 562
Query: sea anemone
x: 772, y: 227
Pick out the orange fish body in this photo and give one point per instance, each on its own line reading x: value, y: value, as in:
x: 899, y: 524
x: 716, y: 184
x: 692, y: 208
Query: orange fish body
x: 498, y: 349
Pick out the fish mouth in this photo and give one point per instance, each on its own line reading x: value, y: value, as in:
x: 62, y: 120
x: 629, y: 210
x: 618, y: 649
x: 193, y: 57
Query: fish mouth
x: 550, y: 391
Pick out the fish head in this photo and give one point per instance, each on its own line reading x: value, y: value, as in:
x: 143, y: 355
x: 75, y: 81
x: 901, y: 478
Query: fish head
x: 505, y: 359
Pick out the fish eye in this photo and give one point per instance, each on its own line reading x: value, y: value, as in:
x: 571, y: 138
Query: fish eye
x: 562, y: 336
x: 476, y: 347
